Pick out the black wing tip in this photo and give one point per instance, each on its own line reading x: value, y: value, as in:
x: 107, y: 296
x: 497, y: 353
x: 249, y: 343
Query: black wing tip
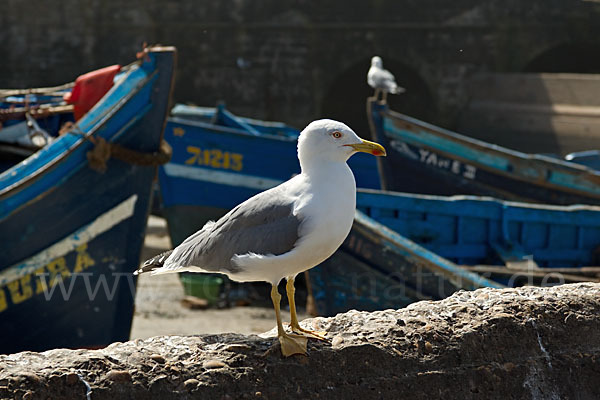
x: 153, y: 263
x: 146, y: 268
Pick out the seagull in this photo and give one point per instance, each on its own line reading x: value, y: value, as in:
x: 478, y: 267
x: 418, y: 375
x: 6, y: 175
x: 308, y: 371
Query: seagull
x: 382, y: 80
x: 284, y: 230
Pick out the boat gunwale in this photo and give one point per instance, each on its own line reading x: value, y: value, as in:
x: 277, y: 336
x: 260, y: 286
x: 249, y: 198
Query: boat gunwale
x: 100, y: 121
x: 572, y: 169
x: 389, y: 237
x: 479, y: 144
x: 542, y: 183
x: 229, y: 130
x: 178, y: 111
x: 462, y: 197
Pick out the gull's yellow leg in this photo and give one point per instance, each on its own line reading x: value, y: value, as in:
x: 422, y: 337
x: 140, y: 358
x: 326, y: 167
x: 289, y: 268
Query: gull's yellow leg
x: 290, y: 344
x: 291, y: 292
x: 377, y: 90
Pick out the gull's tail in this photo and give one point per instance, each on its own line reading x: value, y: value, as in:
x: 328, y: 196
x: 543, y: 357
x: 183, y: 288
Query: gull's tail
x: 397, y: 89
x: 153, y: 263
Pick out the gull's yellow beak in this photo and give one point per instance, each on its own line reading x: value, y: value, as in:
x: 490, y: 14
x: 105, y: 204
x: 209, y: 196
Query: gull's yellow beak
x: 369, y: 147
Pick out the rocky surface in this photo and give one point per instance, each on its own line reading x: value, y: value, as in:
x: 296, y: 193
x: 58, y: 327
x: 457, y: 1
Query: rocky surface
x: 526, y: 343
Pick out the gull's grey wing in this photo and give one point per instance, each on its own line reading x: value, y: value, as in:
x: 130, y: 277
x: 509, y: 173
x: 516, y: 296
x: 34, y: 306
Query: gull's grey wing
x: 264, y: 224
x: 382, y: 78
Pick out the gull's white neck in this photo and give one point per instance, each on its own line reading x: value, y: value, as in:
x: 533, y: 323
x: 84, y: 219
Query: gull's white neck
x: 327, y: 171
x: 332, y: 190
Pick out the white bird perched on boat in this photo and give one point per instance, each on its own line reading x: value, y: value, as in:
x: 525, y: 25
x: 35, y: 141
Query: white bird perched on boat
x: 382, y: 80
x: 284, y: 230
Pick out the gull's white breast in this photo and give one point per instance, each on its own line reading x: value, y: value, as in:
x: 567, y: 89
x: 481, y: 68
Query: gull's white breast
x: 326, y: 205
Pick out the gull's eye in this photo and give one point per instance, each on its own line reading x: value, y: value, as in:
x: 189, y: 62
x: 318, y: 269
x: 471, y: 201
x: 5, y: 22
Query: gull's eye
x: 337, y: 134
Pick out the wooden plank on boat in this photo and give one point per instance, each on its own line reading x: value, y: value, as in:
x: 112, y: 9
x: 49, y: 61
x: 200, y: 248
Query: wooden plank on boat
x: 376, y: 268
x: 35, y: 112
x: 232, y: 120
x: 570, y: 275
x: 423, y: 158
x: 44, y: 90
x: 591, y: 270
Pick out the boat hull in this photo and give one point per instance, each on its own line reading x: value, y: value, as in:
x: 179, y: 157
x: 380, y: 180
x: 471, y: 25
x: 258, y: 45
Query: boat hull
x: 72, y: 235
x: 377, y: 269
x: 406, y: 247
x: 427, y: 177
x: 426, y: 159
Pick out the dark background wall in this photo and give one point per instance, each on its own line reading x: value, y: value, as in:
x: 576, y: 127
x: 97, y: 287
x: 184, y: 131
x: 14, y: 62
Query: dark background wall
x: 298, y: 60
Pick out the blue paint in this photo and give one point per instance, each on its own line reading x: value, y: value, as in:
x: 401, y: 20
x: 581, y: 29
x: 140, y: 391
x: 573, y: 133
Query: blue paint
x: 267, y: 150
x: 105, y: 112
x: 463, y: 228
x: 589, y: 158
x: 377, y: 268
x: 414, y: 246
x: 228, y: 119
x: 54, y: 194
x: 424, y: 138
x: 534, y: 169
x: 206, y: 114
x: 412, y: 250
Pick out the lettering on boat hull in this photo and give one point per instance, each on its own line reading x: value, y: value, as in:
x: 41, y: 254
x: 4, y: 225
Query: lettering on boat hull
x: 60, y: 265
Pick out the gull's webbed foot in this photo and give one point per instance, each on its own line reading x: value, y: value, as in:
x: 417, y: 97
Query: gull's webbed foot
x: 292, y: 344
x: 320, y: 335
x: 295, y: 325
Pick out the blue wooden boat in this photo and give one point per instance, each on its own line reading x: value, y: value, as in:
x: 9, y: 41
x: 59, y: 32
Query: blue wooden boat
x: 72, y: 222
x: 407, y: 247
x: 589, y: 158
x: 220, y: 160
x: 423, y: 158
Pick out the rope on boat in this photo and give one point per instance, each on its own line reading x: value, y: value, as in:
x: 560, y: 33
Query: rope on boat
x: 36, y: 112
x: 43, y: 91
x: 103, y: 151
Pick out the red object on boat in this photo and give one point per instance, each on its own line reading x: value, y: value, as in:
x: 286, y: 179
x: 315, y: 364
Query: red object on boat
x: 90, y: 88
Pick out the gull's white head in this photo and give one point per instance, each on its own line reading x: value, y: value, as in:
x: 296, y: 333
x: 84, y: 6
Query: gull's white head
x: 329, y: 140
x: 377, y: 62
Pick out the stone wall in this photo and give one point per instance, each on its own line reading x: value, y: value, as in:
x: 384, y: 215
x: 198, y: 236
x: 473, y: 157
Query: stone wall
x: 525, y: 343
x: 296, y: 60
x: 550, y: 113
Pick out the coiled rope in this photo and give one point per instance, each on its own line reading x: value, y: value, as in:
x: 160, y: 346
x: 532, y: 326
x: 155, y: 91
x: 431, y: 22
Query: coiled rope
x: 103, y: 151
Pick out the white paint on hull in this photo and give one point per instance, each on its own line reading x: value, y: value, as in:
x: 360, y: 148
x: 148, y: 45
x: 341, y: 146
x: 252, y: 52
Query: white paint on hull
x: 68, y: 244
x: 220, y: 177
